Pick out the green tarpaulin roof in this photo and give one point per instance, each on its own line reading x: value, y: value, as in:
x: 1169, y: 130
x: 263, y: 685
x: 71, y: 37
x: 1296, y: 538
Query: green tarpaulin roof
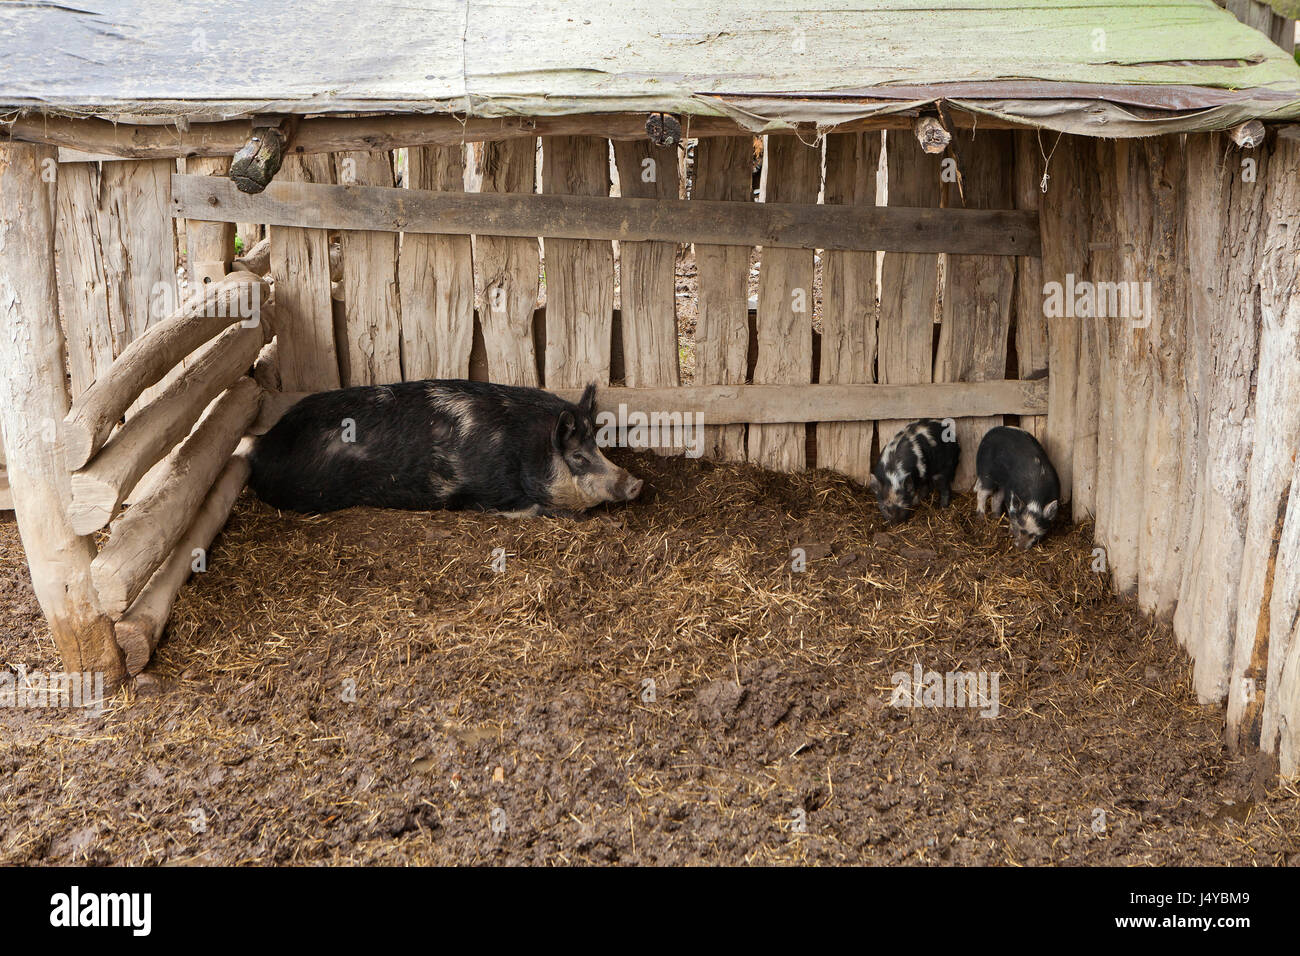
x: 1105, y: 67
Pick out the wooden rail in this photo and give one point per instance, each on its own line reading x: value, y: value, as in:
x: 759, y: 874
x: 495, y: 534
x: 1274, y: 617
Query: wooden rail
x: 1008, y: 232
x: 329, y: 134
x: 783, y: 404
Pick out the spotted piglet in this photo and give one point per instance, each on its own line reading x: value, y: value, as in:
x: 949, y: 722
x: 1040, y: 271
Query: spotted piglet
x: 1015, y: 474
x: 920, y: 459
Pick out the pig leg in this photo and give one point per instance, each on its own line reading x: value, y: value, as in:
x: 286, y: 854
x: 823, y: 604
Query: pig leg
x: 999, y: 498
x: 981, y: 496
x: 945, y: 490
x: 532, y: 511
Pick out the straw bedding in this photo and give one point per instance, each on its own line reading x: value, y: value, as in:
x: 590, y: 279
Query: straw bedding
x: 649, y: 684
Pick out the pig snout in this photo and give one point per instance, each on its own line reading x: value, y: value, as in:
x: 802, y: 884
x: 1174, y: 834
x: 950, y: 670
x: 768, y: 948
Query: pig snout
x: 627, y: 487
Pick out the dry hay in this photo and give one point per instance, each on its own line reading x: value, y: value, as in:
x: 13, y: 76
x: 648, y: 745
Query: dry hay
x: 517, y: 701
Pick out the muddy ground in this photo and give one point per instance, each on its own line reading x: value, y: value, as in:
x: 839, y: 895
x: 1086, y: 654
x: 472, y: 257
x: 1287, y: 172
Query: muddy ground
x: 368, y: 687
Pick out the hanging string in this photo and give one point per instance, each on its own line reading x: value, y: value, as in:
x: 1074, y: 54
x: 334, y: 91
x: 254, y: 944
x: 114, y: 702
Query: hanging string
x: 1047, y: 158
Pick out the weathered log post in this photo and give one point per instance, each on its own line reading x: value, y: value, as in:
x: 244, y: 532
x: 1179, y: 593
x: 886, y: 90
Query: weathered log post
x: 1030, y: 320
x: 1103, y: 261
x: 848, y: 341
x: 508, y: 269
x: 33, y: 399
x: 722, y: 172
x: 370, y: 349
x: 1272, y: 460
x: 977, y: 299
x: 300, y: 264
x: 1162, y: 535
x: 1130, y: 397
x: 1065, y: 230
x: 791, y: 174
x: 909, y: 281
x: 436, y: 278
x: 1226, y: 230
x: 579, y: 272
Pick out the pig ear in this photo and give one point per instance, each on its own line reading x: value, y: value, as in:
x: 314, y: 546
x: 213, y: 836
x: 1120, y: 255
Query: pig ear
x: 588, y: 401
x: 566, y: 432
x: 1050, y: 511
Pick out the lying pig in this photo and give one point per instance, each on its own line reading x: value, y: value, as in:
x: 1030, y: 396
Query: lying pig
x: 438, y: 444
x: 917, y: 461
x: 1014, y: 471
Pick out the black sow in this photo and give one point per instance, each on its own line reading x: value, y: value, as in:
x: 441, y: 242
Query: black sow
x: 438, y: 444
x: 918, y: 460
x: 1015, y: 472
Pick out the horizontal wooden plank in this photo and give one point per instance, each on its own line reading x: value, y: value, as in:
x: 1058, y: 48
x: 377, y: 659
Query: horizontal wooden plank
x: 1010, y: 232
x: 776, y: 404
x: 329, y: 134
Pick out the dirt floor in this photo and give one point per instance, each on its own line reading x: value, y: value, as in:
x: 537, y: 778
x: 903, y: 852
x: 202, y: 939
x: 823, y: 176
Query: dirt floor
x: 653, y: 684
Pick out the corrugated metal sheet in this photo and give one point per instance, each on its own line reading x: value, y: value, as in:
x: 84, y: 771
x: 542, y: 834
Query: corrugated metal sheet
x: 1094, y: 66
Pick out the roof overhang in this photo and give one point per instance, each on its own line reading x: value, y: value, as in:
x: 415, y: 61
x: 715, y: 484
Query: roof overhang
x: 1083, y: 66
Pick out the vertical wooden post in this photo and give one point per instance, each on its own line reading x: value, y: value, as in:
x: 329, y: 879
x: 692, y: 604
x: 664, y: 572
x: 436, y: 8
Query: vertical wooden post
x: 1104, y: 262
x: 579, y: 272
x: 139, y: 247
x: 645, y: 328
x: 1280, y: 301
x: 117, y: 259
x: 1065, y: 233
x: 372, y: 349
x: 508, y: 269
x: 33, y: 399
x: 92, y: 339
x: 977, y: 296
x: 301, y: 267
x: 1131, y: 394
x: 209, y: 246
x: 1280, y: 728
x: 1225, y: 211
x: 848, y: 345
x: 436, y: 278
x: 1087, y: 395
x: 1273, y: 459
x: 909, y: 281
x: 1161, y: 174
x: 791, y: 173
x: 722, y: 172
x: 647, y: 273
x: 1030, y: 322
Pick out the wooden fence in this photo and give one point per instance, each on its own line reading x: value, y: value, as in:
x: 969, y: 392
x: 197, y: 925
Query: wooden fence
x: 419, y: 298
